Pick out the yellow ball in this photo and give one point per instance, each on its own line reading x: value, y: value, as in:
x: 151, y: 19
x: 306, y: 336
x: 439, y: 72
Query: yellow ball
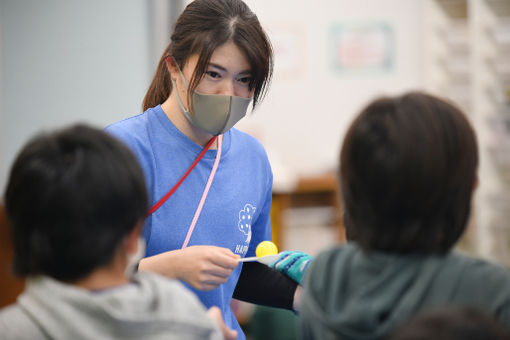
x: 266, y: 248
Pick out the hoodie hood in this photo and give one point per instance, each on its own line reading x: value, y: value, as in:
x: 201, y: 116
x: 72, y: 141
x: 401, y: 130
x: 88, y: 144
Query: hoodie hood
x: 149, y: 307
x: 366, y: 296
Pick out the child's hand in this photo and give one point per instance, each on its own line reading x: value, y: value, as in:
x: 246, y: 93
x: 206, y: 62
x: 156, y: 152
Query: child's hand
x: 215, y: 314
x: 293, y: 264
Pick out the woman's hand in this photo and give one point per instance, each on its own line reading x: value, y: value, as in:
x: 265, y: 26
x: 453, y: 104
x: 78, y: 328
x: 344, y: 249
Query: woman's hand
x: 203, y: 267
x: 206, y: 267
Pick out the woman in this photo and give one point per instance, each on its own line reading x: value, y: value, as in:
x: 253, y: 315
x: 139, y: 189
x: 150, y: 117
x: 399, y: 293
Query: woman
x: 219, y: 59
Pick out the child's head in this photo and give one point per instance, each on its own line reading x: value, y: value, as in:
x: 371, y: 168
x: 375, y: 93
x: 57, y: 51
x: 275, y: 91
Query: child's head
x: 452, y: 323
x: 72, y: 198
x: 203, y: 26
x: 407, y: 172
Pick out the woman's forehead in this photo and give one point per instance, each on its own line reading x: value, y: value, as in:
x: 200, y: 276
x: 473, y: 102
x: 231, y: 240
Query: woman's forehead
x: 228, y: 57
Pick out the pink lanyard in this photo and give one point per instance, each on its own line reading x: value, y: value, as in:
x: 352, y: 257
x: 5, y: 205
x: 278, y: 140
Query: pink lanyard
x: 204, y: 194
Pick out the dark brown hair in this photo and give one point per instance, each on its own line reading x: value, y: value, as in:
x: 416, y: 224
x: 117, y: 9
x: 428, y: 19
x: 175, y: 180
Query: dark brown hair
x: 407, y: 171
x: 203, y: 26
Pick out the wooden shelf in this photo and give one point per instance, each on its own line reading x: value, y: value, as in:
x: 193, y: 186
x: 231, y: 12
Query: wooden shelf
x: 321, y: 190
x: 466, y: 47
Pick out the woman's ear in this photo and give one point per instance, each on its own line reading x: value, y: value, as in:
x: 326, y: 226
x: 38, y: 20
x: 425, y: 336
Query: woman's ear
x: 171, y: 66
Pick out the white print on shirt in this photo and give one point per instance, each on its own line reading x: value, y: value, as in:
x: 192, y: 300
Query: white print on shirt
x: 245, y: 218
x: 241, y: 249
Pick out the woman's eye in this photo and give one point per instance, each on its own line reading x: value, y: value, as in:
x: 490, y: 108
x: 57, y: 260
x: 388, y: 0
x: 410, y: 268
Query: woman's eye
x: 213, y: 74
x: 244, y: 80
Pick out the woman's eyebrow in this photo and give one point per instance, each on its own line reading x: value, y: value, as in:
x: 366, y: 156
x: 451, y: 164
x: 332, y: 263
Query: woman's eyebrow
x: 221, y: 68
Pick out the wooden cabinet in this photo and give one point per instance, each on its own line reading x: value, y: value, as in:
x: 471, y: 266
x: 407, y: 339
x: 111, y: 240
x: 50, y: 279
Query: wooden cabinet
x: 11, y: 286
x: 309, y: 191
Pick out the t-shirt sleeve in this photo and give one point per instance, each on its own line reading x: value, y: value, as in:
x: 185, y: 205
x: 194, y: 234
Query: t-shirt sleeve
x: 263, y: 285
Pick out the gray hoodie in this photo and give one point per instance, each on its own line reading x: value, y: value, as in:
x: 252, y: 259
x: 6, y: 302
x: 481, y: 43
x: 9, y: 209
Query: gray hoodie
x: 351, y: 295
x: 150, y: 307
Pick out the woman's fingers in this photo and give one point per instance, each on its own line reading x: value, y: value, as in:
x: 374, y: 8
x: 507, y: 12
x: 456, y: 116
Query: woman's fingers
x: 225, y: 260
x: 218, y: 272
x: 207, y: 267
x: 210, y: 282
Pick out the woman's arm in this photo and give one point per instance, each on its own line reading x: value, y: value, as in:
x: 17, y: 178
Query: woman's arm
x: 203, y: 267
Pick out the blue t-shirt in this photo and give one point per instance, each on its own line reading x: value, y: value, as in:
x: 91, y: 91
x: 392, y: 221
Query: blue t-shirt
x: 236, y: 212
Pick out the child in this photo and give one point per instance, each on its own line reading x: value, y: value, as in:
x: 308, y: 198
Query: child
x: 76, y: 201
x: 407, y: 172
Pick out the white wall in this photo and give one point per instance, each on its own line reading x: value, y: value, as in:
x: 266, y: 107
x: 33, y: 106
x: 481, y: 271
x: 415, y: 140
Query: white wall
x: 303, y: 120
x: 64, y: 61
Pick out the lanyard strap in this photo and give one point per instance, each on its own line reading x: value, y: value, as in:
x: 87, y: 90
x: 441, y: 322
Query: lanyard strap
x: 170, y: 193
x: 204, y: 194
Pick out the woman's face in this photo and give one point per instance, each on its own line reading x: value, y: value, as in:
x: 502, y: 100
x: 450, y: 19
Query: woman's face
x: 228, y: 73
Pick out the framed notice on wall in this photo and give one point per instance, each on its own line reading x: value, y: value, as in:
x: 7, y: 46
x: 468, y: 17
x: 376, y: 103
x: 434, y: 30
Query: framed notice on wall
x: 362, y: 48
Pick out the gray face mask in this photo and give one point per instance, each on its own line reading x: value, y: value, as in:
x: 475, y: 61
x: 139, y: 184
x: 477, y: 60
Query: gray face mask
x: 213, y: 113
x: 134, y: 259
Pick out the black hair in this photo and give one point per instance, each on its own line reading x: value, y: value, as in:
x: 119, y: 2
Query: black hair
x: 407, y: 172
x: 71, y: 198
x: 452, y: 323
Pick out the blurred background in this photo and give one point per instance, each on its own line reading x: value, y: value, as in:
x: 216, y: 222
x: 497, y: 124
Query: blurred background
x: 64, y: 61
